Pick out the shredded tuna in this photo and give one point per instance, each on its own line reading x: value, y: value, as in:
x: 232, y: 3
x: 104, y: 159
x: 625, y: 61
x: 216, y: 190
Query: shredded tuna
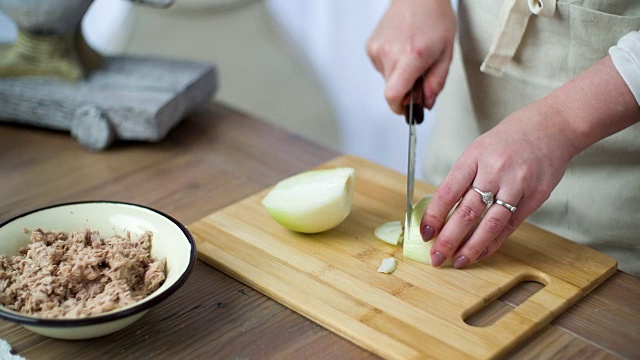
x: 79, y: 274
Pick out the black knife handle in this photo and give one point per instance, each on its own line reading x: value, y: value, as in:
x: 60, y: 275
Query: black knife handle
x: 418, y: 103
x: 418, y: 114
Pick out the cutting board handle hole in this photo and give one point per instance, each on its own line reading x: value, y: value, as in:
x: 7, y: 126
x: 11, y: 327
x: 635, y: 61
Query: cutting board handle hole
x: 504, y: 304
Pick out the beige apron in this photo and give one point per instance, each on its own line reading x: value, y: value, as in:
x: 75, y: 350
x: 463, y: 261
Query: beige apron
x: 524, y: 57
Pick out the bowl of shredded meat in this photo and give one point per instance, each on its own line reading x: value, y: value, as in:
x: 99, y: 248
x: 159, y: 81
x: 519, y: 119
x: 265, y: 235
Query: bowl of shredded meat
x: 87, y: 269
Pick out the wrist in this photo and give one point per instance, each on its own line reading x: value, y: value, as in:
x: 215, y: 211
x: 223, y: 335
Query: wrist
x: 591, y: 107
x: 547, y: 123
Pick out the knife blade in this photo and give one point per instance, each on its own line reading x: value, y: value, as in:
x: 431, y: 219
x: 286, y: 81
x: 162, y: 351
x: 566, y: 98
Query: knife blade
x: 414, y: 114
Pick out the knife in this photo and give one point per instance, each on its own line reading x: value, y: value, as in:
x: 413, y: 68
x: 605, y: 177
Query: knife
x: 414, y: 114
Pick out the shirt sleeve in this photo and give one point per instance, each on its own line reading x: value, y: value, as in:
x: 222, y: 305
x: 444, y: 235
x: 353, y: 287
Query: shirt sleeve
x: 626, y: 58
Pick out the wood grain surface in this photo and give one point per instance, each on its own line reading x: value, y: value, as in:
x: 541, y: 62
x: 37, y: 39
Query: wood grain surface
x: 418, y: 311
x: 140, y: 98
x: 214, y: 158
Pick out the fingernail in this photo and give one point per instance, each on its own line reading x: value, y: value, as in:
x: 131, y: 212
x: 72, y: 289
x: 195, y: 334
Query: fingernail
x: 460, y: 262
x: 430, y: 101
x: 427, y: 233
x: 428, y: 93
x: 437, y: 258
x: 483, y: 254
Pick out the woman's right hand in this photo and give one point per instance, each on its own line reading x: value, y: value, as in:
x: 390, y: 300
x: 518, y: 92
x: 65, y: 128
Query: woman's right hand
x: 414, y: 37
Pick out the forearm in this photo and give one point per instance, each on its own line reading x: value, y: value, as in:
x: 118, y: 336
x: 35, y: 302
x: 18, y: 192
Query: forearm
x: 594, y: 105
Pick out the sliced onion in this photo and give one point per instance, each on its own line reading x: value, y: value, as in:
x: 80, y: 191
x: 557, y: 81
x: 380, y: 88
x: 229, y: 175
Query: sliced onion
x: 390, y: 232
x: 414, y: 247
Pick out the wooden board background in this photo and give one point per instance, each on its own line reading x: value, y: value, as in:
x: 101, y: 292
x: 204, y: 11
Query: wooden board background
x: 416, y: 312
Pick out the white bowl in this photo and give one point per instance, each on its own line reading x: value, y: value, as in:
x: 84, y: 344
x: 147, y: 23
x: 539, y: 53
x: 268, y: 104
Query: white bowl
x: 171, y: 240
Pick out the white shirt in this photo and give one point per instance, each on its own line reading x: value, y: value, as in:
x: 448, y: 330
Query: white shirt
x: 626, y: 58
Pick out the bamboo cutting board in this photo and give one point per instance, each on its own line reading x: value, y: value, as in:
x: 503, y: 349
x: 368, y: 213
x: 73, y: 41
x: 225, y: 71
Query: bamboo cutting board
x: 418, y: 311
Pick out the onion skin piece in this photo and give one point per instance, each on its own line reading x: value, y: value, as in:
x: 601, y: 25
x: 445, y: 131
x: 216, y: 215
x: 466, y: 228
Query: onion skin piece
x: 388, y: 265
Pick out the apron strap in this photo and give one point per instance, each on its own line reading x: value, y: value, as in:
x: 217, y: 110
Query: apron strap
x: 513, y: 23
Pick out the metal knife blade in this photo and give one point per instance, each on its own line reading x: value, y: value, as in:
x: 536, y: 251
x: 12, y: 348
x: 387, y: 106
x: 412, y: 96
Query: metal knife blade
x: 414, y: 114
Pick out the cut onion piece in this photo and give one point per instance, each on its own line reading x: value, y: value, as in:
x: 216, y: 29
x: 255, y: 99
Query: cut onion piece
x: 313, y: 201
x: 390, y: 232
x: 388, y: 265
x: 414, y: 247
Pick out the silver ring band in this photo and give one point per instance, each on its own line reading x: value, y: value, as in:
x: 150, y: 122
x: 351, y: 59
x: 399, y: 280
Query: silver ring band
x: 508, y: 206
x: 487, y: 196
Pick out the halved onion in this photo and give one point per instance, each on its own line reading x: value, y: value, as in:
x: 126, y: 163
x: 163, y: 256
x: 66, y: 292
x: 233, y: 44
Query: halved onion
x: 313, y: 201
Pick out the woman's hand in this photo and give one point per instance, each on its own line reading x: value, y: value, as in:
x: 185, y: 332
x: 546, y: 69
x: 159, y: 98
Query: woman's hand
x: 521, y: 160
x: 413, y: 38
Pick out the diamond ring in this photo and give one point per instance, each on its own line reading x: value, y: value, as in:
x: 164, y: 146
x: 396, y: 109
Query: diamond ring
x: 508, y: 206
x: 487, y: 197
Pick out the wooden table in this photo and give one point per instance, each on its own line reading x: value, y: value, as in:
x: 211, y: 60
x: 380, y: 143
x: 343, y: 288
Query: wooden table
x: 212, y: 159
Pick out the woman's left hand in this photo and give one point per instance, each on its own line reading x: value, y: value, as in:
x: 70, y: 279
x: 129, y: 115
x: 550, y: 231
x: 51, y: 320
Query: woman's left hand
x: 520, y: 161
